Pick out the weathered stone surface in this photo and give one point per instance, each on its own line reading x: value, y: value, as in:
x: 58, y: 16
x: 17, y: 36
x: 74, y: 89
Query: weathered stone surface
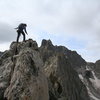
x: 1, y: 53
x: 6, y: 69
x: 91, y: 78
x: 21, y: 73
x: 16, y: 47
x: 48, y: 50
x: 97, y: 68
x: 46, y: 73
x: 64, y: 83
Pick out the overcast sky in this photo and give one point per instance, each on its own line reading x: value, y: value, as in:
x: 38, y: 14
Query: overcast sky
x: 72, y: 23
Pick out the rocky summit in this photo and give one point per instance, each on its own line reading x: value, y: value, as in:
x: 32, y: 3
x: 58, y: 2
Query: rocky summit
x: 21, y: 73
x: 48, y: 72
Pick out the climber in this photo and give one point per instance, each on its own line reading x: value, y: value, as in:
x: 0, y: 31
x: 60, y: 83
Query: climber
x: 21, y: 29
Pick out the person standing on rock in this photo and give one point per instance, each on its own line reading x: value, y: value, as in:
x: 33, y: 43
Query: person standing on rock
x: 21, y: 29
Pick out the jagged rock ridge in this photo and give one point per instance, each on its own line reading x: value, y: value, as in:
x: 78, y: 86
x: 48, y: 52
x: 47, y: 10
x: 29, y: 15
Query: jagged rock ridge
x: 21, y: 73
x: 46, y: 73
x: 47, y: 50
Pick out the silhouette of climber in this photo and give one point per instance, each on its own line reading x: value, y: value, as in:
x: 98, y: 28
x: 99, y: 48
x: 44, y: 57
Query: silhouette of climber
x: 21, y: 29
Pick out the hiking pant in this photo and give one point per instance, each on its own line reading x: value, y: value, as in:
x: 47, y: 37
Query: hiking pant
x: 18, y: 35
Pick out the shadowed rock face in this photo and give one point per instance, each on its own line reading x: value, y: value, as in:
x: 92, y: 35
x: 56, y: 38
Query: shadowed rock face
x: 47, y: 50
x: 88, y: 74
x: 97, y: 68
x: 1, y: 53
x: 46, y: 73
x: 64, y: 83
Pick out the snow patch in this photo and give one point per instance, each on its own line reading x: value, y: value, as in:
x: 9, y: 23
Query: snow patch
x: 81, y: 77
x: 95, y: 81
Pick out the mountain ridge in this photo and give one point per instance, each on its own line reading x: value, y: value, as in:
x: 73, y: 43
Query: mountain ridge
x: 48, y: 72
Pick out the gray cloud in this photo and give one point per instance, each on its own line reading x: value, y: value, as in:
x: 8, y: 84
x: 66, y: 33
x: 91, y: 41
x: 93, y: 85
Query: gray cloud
x: 78, y: 19
x: 7, y: 33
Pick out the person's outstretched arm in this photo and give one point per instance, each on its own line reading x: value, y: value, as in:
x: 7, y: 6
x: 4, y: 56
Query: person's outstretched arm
x: 25, y: 31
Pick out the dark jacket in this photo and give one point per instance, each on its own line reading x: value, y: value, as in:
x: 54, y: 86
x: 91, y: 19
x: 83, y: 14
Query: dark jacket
x: 22, y: 27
